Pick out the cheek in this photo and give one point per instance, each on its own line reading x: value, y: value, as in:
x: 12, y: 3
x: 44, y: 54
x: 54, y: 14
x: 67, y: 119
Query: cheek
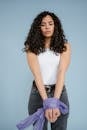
x: 42, y: 30
x: 52, y: 29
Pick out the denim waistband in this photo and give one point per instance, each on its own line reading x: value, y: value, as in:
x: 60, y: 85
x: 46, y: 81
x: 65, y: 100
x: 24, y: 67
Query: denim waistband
x: 49, y: 88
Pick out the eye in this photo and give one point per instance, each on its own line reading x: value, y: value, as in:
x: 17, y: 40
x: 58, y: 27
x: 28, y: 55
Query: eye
x: 42, y: 25
x: 51, y: 23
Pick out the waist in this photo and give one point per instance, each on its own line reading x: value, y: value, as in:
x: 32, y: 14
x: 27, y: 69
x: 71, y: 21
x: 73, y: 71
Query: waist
x: 48, y: 88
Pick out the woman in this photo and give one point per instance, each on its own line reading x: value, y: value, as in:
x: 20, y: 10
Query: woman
x: 48, y: 56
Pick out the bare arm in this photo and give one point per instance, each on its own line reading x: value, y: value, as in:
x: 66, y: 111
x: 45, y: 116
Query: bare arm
x: 34, y: 66
x: 63, y: 66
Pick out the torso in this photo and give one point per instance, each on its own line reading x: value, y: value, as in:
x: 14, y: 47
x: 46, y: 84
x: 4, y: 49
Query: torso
x: 49, y: 62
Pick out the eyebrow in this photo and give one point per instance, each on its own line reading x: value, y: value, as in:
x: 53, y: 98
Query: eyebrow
x: 48, y: 22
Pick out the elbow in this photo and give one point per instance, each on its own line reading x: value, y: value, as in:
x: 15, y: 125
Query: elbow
x: 61, y: 71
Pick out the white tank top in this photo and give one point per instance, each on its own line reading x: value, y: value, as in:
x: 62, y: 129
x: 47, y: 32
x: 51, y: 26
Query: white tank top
x: 49, y: 62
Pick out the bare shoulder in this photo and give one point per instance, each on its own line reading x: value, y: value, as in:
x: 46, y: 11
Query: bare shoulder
x: 31, y: 54
x: 65, y: 58
x: 31, y: 58
x: 68, y: 46
x: 68, y: 49
x: 66, y: 55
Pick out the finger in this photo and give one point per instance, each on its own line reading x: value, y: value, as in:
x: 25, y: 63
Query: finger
x: 54, y: 113
x: 50, y: 115
x: 54, y: 116
x: 59, y: 113
x: 47, y: 115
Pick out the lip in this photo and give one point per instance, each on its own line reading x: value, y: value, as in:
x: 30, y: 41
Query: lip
x: 48, y: 32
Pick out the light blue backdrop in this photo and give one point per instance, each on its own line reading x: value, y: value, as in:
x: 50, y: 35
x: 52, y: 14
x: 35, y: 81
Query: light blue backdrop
x: 15, y: 77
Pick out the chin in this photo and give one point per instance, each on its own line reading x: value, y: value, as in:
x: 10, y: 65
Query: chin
x: 48, y: 36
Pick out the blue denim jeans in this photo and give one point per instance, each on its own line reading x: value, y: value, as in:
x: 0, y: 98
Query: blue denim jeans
x: 35, y: 102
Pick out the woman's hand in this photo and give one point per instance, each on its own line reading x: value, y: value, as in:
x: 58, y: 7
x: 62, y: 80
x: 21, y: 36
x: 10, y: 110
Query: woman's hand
x: 52, y: 114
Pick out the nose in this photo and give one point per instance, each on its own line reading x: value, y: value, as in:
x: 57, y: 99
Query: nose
x: 47, y: 26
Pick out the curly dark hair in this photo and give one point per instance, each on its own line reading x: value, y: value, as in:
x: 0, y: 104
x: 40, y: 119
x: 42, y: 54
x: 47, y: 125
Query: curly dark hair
x: 35, y: 40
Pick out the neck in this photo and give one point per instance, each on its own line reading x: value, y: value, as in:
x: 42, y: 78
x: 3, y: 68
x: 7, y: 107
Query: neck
x: 47, y: 42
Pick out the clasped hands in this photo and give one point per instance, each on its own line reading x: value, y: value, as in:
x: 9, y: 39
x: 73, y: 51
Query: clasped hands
x: 52, y: 114
x: 52, y: 109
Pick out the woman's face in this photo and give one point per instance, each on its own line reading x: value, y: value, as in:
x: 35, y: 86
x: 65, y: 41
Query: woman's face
x: 47, y: 26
